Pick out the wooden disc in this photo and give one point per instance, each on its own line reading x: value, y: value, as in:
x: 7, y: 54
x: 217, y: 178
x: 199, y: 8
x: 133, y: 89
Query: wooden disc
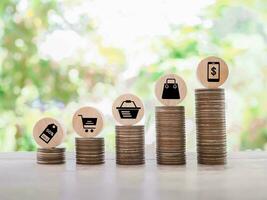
x: 212, y: 72
x: 128, y: 109
x: 48, y: 133
x: 170, y: 90
x: 87, y: 122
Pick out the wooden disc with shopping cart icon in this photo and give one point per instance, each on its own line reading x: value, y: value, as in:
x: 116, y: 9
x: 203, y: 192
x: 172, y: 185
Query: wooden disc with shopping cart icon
x: 128, y: 109
x: 87, y: 122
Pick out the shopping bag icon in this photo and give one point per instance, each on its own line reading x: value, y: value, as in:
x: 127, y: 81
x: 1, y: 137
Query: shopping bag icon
x: 170, y: 89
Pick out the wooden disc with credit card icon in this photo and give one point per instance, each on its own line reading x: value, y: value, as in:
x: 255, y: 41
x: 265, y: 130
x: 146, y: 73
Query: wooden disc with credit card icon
x: 87, y: 122
x: 48, y: 133
x: 170, y: 90
x: 128, y: 109
x: 212, y: 72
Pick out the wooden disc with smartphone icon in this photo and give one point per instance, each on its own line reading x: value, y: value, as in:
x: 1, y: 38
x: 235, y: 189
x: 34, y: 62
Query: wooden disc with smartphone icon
x: 212, y: 72
x: 87, y: 122
x: 48, y: 133
x: 128, y: 109
x: 170, y: 90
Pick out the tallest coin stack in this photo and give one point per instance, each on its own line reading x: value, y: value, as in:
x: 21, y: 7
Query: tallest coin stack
x: 211, y: 129
x: 210, y: 112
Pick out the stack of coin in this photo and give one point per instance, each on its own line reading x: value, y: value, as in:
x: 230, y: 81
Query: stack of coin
x: 130, y: 145
x: 211, y: 129
x: 90, y: 151
x: 51, y: 155
x: 170, y: 128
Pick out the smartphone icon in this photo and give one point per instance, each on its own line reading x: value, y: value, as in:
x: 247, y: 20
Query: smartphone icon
x: 213, y: 71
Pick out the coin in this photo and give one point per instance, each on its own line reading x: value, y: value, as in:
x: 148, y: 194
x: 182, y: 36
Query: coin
x: 130, y: 145
x: 90, y: 151
x: 51, y: 155
x: 211, y: 126
x: 170, y: 134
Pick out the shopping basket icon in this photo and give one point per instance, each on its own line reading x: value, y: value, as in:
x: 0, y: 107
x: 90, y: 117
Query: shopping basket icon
x: 128, y: 110
x: 88, y: 123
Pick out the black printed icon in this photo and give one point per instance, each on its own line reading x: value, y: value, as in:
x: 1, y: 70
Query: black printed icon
x: 128, y: 110
x: 213, y: 71
x: 171, y: 89
x: 88, y: 123
x: 49, y: 132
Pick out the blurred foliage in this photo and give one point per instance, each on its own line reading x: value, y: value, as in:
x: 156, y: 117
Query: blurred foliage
x: 28, y: 79
x: 33, y: 85
x: 237, y: 32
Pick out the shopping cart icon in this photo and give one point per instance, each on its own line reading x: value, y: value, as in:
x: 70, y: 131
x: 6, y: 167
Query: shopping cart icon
x: 128, y: 110
x: 88, y: 123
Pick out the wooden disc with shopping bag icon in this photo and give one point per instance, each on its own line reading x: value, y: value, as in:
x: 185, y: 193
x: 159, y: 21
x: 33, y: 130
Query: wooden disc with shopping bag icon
x: 212, y: 72
x: 128, y: 109
x: 170, y: 90
x: 87, y: 122
x: 48, y: 133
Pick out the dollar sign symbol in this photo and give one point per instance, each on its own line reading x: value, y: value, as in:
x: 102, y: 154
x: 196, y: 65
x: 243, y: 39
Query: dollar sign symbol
x: 213, y: 71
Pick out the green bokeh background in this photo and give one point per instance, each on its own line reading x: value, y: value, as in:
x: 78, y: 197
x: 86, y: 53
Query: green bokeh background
x: 33, y: 86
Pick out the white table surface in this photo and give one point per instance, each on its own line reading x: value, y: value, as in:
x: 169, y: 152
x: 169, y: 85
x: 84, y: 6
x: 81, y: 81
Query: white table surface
x: 244, y: 177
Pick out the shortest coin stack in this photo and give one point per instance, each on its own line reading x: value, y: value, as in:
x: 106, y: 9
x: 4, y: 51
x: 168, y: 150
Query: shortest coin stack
x: 90, y: 151
x: 130, y: 145
x: 51, y: 155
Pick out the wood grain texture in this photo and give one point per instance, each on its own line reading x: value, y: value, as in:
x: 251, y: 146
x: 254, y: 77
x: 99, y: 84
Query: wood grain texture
x: 44, y: 125
x: 87, y: 122
x: 203, y: 72
x: 131, y: 102
x: 161, y: 86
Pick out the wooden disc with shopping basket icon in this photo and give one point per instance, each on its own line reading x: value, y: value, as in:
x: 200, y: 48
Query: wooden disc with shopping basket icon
x: 87, y: 122
x: 128, y: 109
x: 170, y: 90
